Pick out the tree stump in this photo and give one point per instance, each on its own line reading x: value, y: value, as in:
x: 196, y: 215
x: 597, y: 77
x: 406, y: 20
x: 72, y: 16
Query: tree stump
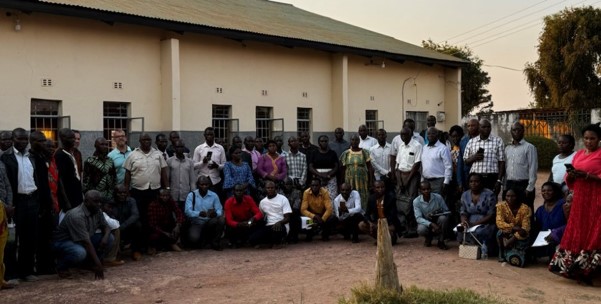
x: 386, y: 273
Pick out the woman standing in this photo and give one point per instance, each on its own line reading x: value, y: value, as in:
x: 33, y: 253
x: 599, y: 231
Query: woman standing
x: 579, y: 252
x: 566, y: 145
x: 237, y: 172
x: 513, y: 221
x: 271, y: 166
x: 357, y: 170
x: 323, y: 164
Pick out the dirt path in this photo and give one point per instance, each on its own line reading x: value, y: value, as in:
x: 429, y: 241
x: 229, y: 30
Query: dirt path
x: 314, y: 272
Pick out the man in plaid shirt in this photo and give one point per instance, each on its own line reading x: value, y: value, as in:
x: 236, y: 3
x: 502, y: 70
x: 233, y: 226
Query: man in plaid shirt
x: 486, y: 155
x: 297, y: 163
x: 164, y: 220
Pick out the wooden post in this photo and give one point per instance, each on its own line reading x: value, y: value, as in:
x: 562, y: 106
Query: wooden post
x: 386, y: 273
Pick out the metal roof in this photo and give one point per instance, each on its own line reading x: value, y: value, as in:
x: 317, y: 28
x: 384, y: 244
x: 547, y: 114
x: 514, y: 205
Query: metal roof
x: 263, y: 17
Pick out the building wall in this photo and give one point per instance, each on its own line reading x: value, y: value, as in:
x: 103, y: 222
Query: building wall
x: 171, y: 80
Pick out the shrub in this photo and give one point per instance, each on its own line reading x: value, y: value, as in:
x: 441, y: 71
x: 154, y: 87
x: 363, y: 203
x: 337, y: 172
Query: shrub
x: 365, y: 294
x: 546, y: 148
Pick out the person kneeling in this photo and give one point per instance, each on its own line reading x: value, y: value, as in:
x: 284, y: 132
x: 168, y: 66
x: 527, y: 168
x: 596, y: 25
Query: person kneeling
x: 317, y: 206
x: 242, y: 217
x: 205, y: 214
x: 513, y: 221
x: 164, y: 221
x: 431, y: 214
x: 380, y: 205
x: 276, y: 210
x: 73, y: 242
x: 347, y: 209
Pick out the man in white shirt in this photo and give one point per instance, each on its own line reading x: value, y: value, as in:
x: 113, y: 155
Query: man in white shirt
x: 209, y: 159
x: 347, y: 208
x: 437, y: 167
x: 380, y: 159
x: 365, y: 141
x: 276, y: 210
x: 407, y: 163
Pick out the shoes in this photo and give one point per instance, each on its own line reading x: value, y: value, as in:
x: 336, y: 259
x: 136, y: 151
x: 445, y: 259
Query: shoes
x: 217, y: 247
x: 176, y: 248
x: 355, y: 239
x: 309, y: 238
x: 31, y: 278
x: 113, y: 263
x: 7, y: 285
x: 428, y: 243
x: 347, y: 237
x: 442, y: 245
x: 410, y: 234
x: 136, y: 256
x: 325, y: 238
x: 152, y: 251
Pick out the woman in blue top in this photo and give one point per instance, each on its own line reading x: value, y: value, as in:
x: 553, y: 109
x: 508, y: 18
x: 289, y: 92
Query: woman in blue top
x: 237, y: 172
x: 478, y: 205
x: 552, y: 215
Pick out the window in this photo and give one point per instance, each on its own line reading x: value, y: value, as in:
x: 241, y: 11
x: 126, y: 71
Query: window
x: 420, y: 120
x: 371, y: 122
x: 45, y: 117
x: 222, y: 123
x: 264, y: 125
x: 115, y: 117
x: 303, y: 120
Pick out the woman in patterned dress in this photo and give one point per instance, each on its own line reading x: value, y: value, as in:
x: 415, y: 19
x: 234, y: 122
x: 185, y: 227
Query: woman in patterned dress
x: 357, y: 170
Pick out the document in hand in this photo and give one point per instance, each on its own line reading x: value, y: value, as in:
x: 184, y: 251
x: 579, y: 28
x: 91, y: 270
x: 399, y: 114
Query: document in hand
x: 471, y: 229
x: 540, y: 239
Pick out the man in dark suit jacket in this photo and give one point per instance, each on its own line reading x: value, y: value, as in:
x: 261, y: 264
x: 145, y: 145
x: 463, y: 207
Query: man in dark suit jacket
x: 380, y: 204
x: 68, y: 174
x: 25, y: 199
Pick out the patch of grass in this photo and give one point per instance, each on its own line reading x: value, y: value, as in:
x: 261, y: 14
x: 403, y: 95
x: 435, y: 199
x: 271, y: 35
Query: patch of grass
x: 365, y: 294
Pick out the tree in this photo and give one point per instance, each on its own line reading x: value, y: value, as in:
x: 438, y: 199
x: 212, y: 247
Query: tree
x: 566, y: 74
x: 474, y: 80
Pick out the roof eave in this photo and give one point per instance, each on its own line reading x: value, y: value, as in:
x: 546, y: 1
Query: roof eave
x: 179, y: 27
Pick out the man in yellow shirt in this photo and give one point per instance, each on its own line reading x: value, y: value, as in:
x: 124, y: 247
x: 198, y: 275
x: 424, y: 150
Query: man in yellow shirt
x: 317, y: 206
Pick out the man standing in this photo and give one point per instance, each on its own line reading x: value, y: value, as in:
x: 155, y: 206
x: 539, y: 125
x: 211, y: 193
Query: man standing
x: 277, y: 215
x: 410, y: 123
x: 161, y: 142
x: 317, y: 206
x: 306, y: 146
x: 430, y: 123
x: 463, y: 170
x: 181, y: 174
x: 6, y: 141
x: 521, y: 165
x: 173, y: 138
x: 437, y: 167
x: 297, y: 164
x: 77, y: 152
x: 76, y: 238
x: 380, y: 159
x: 250, y: 156
x: 486, y: 155
x: 339, y: 144
x: 347, y: 209
x: 145, y: 173
x: 209, y: 159
x: 68, y: 172
x: 432, y: 215
x: 120, y: 154
x: 99, y: 171
x: 241, y: 217
x: 407, y: 163
x: 20, y: 168
x: 365, y: 141
x: 205, y: 213
x: 380, y: 204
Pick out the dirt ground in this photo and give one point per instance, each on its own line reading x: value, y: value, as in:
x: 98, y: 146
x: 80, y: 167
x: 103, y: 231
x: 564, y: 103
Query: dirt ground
x: 317, y: 272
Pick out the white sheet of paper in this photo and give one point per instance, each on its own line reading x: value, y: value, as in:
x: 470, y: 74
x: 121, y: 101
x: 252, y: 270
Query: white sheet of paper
x: 540, y: 239
x: 471, y: 229
x: 306, y: 222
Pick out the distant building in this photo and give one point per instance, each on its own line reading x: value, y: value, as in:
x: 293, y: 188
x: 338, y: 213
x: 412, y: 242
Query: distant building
x: 244, y: 66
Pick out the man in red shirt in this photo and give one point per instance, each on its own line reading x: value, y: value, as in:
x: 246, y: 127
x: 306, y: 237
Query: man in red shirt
x: 242, y: 217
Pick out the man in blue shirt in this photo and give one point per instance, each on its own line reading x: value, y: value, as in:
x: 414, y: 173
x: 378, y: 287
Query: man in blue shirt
x: 463, y: 170
x: 205, y: 213
x: 432, y: 215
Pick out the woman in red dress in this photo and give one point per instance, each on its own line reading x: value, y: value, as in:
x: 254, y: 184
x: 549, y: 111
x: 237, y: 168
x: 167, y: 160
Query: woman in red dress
x: 579, y: 254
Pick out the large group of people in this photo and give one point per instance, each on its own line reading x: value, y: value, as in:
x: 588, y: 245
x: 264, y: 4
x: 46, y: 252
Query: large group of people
x: 71, y: 211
